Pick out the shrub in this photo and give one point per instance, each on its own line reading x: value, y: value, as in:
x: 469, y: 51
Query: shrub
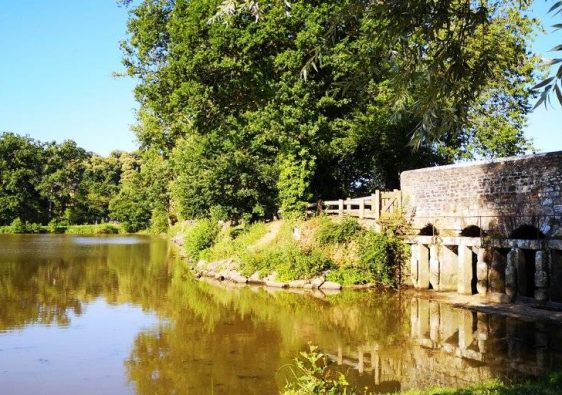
x: 159, y: 221
x: 288, y: 260
x: 199, y: 237
x: 330, y: 232
x: 349, y: 276
x: 18, y: 226
x: 312, y: 375
x: 382, y: 255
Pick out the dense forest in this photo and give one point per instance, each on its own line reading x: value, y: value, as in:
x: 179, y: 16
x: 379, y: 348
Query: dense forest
x: 252, y: 108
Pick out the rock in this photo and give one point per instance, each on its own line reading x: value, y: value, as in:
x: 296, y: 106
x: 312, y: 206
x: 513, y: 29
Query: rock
x: 330, y: 285
x: 255, y: 278
x: 317, y: 281
x: 298, y: 283
x: 276, y: 284
x: 219, y: 277
x: 238, y: 278
x: 307, y: 286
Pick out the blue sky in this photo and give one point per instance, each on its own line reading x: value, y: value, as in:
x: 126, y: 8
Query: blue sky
x: 56, y: 74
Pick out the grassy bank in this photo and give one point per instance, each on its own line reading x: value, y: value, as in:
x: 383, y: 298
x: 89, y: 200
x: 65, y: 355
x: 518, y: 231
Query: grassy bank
x: 18, y: 227
x: 348, y: 253
x: 312, y: 375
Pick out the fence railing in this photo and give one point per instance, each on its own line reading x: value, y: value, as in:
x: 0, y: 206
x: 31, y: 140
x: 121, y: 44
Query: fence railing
x: 368, y: 207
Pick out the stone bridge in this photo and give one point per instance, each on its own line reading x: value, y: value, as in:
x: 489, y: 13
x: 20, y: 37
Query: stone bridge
x: 491, y: 227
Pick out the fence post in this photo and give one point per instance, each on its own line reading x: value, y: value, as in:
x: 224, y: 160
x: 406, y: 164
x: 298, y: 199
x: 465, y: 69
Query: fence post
x: 348, y: 205
x: 340, y: 207
x: 398, y: 196
x: 376, y: 204
x: 362, y: 209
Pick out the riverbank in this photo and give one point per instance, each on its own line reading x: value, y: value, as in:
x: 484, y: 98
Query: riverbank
x: 321, y: 253
x: 89, y: 229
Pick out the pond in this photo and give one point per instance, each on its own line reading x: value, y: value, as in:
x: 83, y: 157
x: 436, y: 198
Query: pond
x: 121, y: 315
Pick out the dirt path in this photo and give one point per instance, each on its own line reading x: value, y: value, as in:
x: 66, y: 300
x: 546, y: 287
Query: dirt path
x: 272, y: 232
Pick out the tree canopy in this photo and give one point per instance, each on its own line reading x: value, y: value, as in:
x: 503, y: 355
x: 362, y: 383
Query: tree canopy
x: 257, y: 105
x: 63, y: 183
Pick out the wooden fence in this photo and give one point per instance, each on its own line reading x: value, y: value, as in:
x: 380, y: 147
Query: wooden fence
x: 369, y: 207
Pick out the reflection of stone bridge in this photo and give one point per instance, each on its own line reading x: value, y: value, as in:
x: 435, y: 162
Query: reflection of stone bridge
x: 454, y: 347
x: 490, y: 227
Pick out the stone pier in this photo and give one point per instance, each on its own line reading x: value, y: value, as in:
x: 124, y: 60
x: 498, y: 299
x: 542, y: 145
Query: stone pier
x: 470, y: 265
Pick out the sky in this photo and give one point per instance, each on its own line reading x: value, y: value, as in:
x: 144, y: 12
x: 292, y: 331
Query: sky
x: 58, y: 58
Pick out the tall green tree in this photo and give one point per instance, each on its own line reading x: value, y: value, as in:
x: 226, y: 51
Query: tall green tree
x: 321, y: 98
x: 21, y: 160
x: 63, y: 169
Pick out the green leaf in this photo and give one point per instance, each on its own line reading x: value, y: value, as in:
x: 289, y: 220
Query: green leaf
x: 542, y: 83
x: 555, y: 6
x: 558, y: 94
x: 541, y: 100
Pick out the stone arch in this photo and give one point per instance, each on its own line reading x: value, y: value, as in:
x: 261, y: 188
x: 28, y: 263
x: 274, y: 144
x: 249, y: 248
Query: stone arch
x: 428, y: 230
x: 527, y: 267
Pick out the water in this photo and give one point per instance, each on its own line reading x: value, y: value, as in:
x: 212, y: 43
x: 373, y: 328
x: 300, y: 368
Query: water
x: 115, y: 315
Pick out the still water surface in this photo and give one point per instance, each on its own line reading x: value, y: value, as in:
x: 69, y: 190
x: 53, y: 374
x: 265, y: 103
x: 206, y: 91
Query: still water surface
x: 120, y: 315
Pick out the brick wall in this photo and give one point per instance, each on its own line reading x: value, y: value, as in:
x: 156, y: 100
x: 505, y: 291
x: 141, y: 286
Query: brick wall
x: 497, y: 195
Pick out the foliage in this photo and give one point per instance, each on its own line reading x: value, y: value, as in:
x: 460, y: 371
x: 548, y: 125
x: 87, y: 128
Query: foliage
x: 200, y: 236
x: 253, y: 116
x: 294, y: 182
x: 60, y: 183
x: 553, y: 84
x: 330, y: 232
x: 287, y: 260
x: 101, y: 229
x: 313, y: 376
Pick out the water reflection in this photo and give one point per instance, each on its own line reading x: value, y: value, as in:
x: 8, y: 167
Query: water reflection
x: 201, y: 337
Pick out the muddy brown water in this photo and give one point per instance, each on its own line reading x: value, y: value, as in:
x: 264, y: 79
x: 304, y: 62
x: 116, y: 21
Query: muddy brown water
x: 120, y: 315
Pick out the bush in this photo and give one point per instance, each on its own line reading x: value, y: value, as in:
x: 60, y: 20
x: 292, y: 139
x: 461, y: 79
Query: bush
x: 349, y: 276
x: 382, y: 256
x: 312, y: 375
x: 101, y: 229
x: 330, y: 232
x: 288, y: 260
x: 199, y: 237
x: 18, y: 226
x: 159, y: 221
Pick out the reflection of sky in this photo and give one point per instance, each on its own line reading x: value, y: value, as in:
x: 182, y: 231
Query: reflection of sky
x: 545, y: 126
x: 84, y: 358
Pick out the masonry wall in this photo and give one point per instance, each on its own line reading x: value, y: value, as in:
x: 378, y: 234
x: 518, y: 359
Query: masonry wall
x: 498, y: 196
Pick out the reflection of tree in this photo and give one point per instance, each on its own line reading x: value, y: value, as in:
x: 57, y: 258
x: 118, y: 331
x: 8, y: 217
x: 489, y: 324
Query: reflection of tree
x: 49, y: 290
x: 238, y: 338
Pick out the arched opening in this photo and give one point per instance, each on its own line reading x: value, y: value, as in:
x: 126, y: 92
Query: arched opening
x: 526, y: 270
x: 428, y: 230
x: 472, y: 231
x: 527, y: 232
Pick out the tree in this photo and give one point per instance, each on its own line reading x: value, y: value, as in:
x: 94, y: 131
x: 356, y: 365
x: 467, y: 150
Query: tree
x: 228, y: 103
x: 21, y: 159
x: 63, y: 170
